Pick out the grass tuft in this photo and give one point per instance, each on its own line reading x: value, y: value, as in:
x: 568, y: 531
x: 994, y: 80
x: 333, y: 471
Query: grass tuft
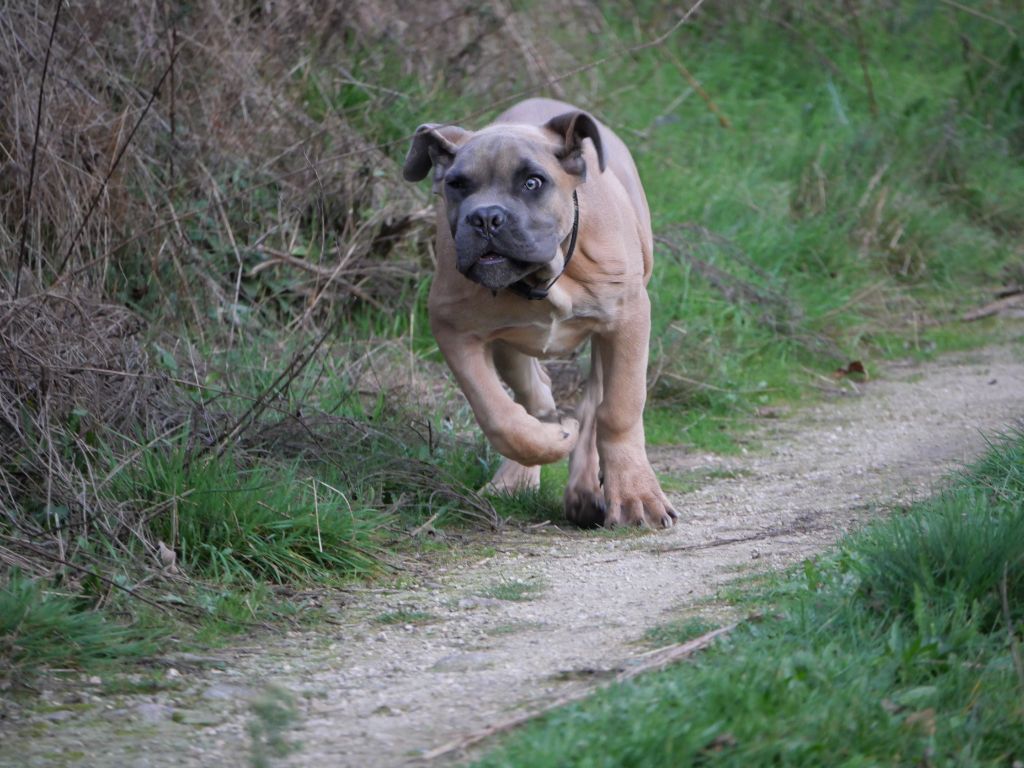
x: 962, y: 551
x: 266, y: 523
x: 42, y: 627
x: 513, y: 590
x: 274, y: 713
x: 405, y: 616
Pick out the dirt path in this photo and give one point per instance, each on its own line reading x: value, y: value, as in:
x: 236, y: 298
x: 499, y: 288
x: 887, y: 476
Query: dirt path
x: 463, y: 654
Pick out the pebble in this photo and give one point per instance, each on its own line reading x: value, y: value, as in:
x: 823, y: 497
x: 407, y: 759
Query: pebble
x: 59, y: 716
x: 469, y: 603
x: 151, y: 712
x: 228, y: 691
x: 198, y: 718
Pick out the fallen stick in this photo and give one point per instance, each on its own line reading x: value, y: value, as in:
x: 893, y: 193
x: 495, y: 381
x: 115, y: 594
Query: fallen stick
x: 660, y: 659
x: 760, y: 536
x: 995, y: 307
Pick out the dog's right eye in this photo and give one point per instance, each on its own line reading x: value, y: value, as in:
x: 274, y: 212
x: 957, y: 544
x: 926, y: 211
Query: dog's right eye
x: 457, y: 183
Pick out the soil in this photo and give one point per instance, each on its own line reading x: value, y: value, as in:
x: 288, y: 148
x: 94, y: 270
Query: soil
x: 539, y: 613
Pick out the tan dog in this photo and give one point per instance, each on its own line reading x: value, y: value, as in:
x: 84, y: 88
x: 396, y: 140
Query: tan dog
x: 524, y: 271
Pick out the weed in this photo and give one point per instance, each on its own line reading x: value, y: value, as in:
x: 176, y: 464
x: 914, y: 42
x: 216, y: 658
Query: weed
x: 533, y: 506
x: 405, y: 616
x: 513, y: 590
x: 962, y: 552
x: 689, y: 481
x: 265, y: 524
x: 131, y: 685
x: 273, y: 714
x: 678, y: 631
x: 40, y: 626
x: 678, y: 484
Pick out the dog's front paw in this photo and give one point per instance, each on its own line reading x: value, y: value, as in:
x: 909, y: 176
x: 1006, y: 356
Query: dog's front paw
x: 557, y: 440
x: 634, y: 497
x: 534, y: 442
x: 570, y: 430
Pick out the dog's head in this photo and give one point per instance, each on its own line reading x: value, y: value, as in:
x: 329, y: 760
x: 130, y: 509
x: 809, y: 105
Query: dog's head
x: 507, y: 191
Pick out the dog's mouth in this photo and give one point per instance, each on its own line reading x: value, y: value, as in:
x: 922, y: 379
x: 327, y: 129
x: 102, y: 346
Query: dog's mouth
x: 490, y: 258
x: 495, y: 270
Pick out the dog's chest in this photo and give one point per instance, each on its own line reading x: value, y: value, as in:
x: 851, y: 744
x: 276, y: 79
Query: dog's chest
x: 550, y: 328
x: 550, y: 336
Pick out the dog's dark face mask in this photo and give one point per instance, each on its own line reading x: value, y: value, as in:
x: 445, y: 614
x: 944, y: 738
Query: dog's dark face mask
x: 507, y: 192
x: 505, y: 210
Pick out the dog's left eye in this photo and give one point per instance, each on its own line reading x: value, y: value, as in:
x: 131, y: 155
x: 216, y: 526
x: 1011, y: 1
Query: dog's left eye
x: 533, y: 183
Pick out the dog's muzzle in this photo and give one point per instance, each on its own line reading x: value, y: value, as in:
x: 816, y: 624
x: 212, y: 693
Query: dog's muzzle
x: 490, y: 248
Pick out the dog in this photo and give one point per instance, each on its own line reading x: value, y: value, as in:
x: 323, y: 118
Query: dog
x: 543, y: 242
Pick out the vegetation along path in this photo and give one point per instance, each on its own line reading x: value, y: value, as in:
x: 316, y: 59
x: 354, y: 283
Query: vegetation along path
x: 545, y: 612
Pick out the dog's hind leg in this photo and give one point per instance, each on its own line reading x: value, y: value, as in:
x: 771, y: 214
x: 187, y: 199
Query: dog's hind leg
x: 531, y: 388
x: 584, y: 499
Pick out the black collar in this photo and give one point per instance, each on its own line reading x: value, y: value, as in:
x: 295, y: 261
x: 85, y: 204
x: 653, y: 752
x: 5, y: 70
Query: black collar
x: 535, y: 292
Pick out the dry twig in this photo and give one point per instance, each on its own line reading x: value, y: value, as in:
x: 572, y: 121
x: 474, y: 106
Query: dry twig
x: 660, y: 659
x: 35, y: 148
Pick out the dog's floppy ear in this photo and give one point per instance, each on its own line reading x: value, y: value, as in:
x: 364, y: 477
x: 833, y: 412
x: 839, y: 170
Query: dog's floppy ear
x: 433, y: 145
x: 574, y: 127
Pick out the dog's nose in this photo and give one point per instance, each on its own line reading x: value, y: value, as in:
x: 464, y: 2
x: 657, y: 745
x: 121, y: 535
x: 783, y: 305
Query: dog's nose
x: 487, y: 219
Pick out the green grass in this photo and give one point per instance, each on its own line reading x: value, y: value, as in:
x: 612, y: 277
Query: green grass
x: 153, y: 682
x: 678, y: 631
x: 902, y: 647
x: 962, y: 553
x: 274, y: 713
x: 513, y: 590
x: 40, y: 626
x: 264, y: 524
x: 529, y: 507
x: 809, y: 257
x: 405, y: 616
x: 241, y: 527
